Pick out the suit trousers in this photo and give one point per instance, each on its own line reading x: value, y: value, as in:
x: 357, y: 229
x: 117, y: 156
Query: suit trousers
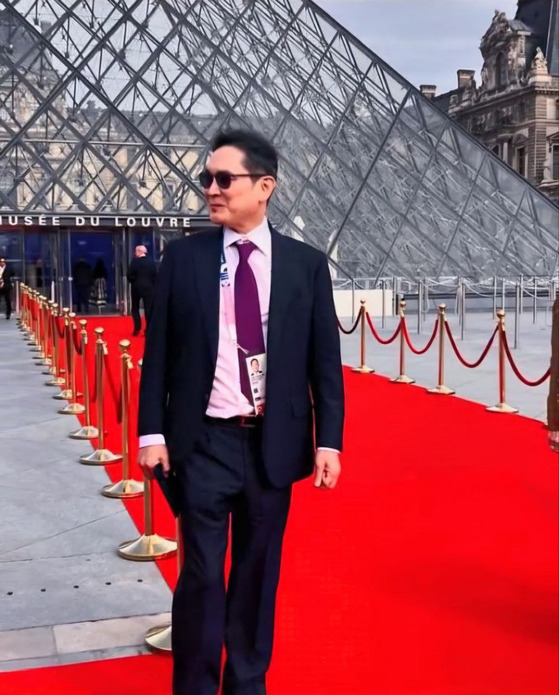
x: 224, y: 488
x: 144, y: 294
x: 82, y: 298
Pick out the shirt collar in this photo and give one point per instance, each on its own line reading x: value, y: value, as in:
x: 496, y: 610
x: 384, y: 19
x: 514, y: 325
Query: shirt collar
x: 260, y: 237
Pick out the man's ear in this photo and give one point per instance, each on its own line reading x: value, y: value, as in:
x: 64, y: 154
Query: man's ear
x: 267, y: 186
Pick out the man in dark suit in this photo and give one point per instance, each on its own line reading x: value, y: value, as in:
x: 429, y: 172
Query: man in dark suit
x: 225, y: 297
x: 6, y: 276
x: 141, y: 275
x: 82, y: 273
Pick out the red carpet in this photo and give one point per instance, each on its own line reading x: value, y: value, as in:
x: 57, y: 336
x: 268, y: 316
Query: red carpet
x: 432, y: 570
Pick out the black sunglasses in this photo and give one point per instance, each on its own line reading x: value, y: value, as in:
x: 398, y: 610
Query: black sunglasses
x: 223, y: 179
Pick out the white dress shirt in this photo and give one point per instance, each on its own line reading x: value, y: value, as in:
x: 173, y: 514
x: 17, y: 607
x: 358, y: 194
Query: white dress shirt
x: 226, y: 397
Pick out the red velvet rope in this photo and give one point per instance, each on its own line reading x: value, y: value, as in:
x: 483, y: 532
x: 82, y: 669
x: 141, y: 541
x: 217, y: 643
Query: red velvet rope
x: 93, y: 396
x: 429, y: 344
x: 354, y: 327
x: 117, y: 396
x: 377, y: 336
x: 78, y: 346
x: 134, y: 390
x: 515, y: 369
x: 59, y: 321
x: 470, y: 365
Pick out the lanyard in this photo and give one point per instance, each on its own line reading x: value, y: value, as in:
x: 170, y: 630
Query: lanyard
x: 228, y: 302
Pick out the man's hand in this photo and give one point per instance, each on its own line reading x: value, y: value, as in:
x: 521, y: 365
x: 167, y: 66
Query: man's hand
x: 150, y: 456
x: 327, y: 469
x: 554, y: 440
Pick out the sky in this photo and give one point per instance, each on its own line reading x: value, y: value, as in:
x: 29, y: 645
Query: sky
x: 426, y: 41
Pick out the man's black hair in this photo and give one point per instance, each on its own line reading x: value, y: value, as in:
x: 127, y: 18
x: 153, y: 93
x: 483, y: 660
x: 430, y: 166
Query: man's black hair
x: 261, y: 156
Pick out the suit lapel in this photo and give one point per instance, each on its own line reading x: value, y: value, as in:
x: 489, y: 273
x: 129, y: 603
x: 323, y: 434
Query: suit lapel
x: 281, y: 294
x: 206, y: 265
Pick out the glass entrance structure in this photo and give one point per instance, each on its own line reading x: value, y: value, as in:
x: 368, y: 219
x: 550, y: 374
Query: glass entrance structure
x: 107, y: 108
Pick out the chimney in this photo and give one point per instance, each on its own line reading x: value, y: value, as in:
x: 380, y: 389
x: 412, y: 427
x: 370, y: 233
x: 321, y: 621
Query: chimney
x: 428, y: 90
x: 465, y: 78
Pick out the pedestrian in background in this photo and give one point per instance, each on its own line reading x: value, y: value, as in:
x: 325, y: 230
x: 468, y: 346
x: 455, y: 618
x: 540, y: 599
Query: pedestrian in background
x: 141, y: 275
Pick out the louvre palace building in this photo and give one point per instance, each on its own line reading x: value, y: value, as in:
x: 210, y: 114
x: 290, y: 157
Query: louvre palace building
x: 514, y: 110
x: 107, y: 110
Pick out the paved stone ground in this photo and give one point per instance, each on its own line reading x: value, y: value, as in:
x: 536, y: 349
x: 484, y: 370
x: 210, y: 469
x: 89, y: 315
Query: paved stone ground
x: 480, y: 384
x: 65, y: 595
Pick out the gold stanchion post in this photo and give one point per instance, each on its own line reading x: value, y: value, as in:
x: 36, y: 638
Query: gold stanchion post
x: 148, y: 546
x: 402, y: 378
x: 66, y: 393
x: 363, y: 369
x: 440, y: 388
x: 127, y: 487
x: 73, y: 408
x: 502, y: 406
x: 87, y: 431
x: 159, y: 638
x: 100, y: 456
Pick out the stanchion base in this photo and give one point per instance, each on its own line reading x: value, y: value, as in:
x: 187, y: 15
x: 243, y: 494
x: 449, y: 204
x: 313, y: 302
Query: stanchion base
x: 51, y: 371
x: 64, y: 395
x: 502, y: 408
x: 72, y: 409
x: 57, y: 381
x: 159, y: 638
x: 100, y: 457
x: 441, y: 391
x: 147, y: 548
x: 39, y: 357
x: 403, y: 379
x: 124, y: 489
x: 363, y: 370
x: 85, y: 432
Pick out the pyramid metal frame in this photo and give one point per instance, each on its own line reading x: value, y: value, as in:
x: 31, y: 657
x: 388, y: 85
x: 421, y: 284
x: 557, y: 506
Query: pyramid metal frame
x: 112, y: 105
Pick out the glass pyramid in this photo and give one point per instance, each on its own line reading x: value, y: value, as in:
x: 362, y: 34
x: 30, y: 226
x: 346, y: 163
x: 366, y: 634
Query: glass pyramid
x: 110, y: 105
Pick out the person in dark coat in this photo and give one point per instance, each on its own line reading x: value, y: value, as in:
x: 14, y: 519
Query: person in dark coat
x: 141, y: 274
x: 232, y: 302
x: 83, y: 279
x: 553, y: 398
x: 6, y: 275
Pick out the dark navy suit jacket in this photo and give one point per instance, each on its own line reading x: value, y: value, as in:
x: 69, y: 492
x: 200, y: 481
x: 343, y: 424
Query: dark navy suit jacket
x: 304, y: 386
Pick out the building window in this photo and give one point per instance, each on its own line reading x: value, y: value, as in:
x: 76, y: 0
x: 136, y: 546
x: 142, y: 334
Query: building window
x: 497, y: 150
x: 557, y: 110
x: 521, y: 161
x: 521, y: 112
x: 501, y: 70
x: 555, y: 162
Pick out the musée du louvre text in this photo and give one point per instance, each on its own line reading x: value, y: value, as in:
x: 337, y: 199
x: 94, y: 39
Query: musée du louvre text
x: 93, y: 221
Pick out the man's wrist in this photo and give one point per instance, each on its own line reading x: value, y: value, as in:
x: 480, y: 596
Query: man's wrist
x: 327, y: 448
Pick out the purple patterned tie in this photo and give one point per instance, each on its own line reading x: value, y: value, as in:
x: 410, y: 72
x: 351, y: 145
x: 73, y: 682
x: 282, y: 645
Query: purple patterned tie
x: 247, y: 314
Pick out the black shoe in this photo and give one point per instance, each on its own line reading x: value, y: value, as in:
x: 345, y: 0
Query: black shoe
x: 7, y: 318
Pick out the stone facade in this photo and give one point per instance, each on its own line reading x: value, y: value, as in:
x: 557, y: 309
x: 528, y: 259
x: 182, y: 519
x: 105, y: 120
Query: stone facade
x: 515, y: 109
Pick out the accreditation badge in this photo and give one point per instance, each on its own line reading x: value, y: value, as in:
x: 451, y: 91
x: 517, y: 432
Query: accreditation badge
x: 256, y: 366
